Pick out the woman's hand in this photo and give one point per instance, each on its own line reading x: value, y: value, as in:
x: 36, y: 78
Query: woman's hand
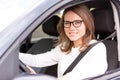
x: 32, y: 71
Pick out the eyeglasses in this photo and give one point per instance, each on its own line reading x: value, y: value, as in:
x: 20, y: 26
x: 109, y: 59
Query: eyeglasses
x: 75, y: 23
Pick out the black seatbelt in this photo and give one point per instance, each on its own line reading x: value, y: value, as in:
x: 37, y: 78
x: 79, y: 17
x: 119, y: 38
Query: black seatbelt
x: 82, y: 54
x: 79, y: 57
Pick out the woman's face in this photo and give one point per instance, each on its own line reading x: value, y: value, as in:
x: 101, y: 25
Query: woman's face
x: 74, y: 27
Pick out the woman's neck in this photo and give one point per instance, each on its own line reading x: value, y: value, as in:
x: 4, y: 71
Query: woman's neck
x: 77, y: 43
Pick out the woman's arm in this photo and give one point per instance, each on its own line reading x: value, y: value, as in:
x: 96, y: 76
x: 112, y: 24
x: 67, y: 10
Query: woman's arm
x: 42, y: 59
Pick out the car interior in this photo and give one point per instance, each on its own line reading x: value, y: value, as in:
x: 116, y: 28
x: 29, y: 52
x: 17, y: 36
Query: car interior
x: 104, y: 26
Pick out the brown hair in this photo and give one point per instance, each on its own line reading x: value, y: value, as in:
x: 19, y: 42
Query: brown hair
x: 85, y: 14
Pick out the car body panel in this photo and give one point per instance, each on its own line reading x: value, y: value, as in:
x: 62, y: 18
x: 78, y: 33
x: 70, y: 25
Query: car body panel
x: 17, y: 23
x: 117, y: 20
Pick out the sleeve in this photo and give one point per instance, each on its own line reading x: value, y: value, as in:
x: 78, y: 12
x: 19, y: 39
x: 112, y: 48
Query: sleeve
x: 42, y: 59
x: 93, y: 64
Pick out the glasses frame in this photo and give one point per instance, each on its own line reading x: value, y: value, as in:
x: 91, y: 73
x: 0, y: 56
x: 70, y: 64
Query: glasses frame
x: 69, y: 23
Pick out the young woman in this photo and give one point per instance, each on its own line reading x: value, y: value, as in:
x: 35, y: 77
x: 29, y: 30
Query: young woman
x: 76, y: 30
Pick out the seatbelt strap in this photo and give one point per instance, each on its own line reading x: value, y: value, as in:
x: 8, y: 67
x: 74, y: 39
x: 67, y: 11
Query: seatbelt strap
x: 110, y: 36
x: 79, y: 57
x: 82, y: 54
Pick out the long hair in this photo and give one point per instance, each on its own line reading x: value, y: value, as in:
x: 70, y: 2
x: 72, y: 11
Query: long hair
x: 85, y: 14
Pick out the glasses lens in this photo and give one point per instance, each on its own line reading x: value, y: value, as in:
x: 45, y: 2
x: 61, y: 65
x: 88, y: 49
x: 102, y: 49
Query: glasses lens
x: 67, y: 24
x: 77, y: 23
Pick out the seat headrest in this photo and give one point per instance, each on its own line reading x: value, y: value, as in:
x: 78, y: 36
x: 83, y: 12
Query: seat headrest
x: 104, y: 21
x: 50, y: 26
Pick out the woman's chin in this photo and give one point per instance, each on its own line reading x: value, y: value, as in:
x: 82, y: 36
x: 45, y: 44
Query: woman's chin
x: 73, y: 39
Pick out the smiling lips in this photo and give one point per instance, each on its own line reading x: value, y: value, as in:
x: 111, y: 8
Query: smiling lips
x: 72, y: 34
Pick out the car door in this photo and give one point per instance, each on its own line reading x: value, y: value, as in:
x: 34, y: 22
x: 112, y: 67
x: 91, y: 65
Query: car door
x: 115, y: 8
x: 90, y: 3
x: 15, y: 32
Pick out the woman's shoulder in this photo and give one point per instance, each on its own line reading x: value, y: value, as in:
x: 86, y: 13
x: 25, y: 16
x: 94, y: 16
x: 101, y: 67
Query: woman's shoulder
x: 93, y: 41
x: 96, y: 41
x: 99, y: 44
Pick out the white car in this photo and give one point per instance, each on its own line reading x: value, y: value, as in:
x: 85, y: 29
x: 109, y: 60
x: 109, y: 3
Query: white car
x: 30, y: 26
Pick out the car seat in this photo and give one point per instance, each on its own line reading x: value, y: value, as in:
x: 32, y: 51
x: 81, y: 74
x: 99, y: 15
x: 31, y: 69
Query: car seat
x: 104, y: 26
x: 46, y: 44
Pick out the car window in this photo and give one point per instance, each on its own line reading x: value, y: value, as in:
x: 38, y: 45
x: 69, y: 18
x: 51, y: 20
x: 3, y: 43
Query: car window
x: 38, y: 35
